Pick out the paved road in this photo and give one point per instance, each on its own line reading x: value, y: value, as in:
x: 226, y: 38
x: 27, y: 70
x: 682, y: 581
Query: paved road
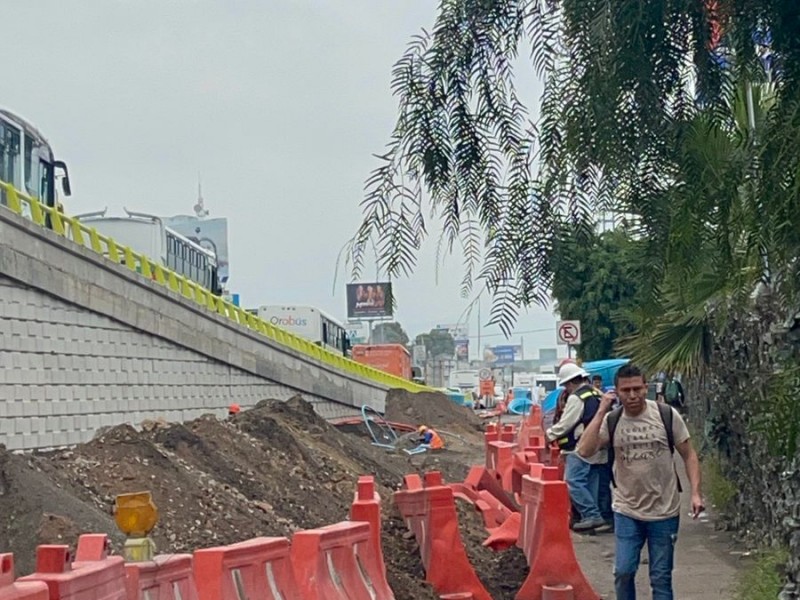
x: 705, y: 569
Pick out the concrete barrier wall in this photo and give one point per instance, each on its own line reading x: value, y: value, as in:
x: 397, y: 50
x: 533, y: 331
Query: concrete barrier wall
x: 85, y: 343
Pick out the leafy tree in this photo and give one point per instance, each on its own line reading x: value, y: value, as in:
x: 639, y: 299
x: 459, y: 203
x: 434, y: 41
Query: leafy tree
x: 437, y: 342
x: 389, y: 333
x: 597, y: 281
x: 682, y: 116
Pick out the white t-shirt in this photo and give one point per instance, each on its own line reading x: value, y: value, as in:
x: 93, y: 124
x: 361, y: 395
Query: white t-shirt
x: 644, y: 470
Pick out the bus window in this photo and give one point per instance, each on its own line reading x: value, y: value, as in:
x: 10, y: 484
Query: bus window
x: 9, y: 154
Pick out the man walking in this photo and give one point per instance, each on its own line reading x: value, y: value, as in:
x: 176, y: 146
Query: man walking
x: 641, y: 435
x: 582, y: 473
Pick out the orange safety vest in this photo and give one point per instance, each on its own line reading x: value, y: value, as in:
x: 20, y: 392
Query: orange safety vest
x: 436, y: 440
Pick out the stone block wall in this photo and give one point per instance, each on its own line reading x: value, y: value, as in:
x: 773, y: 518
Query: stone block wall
x: 747, y: 355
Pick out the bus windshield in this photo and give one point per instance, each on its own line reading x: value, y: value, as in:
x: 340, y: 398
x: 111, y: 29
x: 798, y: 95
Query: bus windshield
x: 27, y: 161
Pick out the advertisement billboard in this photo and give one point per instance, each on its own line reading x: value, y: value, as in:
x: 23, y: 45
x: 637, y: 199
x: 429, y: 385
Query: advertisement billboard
x: 462, y: 349
x: 365, y: 300
x: 211, y: 234
x: 502, y: 355
x: 458, y: 331
x: 358, y: 332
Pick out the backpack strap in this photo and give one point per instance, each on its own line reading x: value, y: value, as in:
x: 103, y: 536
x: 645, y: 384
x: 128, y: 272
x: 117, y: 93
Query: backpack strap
x: 612, y: 420
x: 666, y: 412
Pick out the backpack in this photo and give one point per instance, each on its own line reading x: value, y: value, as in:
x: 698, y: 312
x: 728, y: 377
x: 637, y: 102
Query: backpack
x: 665, y: 411
x: 672, y: 392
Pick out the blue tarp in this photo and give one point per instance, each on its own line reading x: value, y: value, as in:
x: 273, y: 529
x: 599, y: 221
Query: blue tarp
x: 607, y: 369
x: 520, y: 404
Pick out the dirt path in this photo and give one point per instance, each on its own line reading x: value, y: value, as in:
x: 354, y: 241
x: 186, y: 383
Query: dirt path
x: 704, y: 567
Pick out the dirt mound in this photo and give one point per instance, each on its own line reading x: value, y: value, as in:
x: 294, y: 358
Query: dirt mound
x: 270, y: 470
x: 433, y: 409
x: 502, y: 573
x: 35, y: 509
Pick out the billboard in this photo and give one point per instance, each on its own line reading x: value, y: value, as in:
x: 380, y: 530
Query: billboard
x: 365, y: 300
x: 358, y: 332
x: 502, y: 355
x: 211, y: 234
x: 462, y: 349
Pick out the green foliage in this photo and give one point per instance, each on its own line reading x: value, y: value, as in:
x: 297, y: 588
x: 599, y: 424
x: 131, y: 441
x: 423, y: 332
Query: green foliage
x: 777, y: 416
x: 437, y: 342
x: 597, y: 280
x: 638, y: 116
x: 721, y: 490
x: 389, y: 333
x: 763, y: 579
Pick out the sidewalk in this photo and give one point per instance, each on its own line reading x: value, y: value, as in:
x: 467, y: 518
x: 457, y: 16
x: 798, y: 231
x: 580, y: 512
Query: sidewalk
x: 704, y: 567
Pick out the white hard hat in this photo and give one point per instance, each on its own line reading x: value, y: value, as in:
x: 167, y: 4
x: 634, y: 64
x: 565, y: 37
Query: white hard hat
x: 570, y: 371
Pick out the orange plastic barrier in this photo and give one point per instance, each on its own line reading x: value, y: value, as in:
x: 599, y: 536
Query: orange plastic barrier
x: 479, y: 478
x: 331, y: 563
x: 508, y: 434
x: 499, y: 460
x: 166, y: 577
x: 257, y: 569
x: 531, y: 428
x: 367, y: 507
x: 546, y: 540
x: 504, y: 535
x: 492, y: 434
x: 9, y: 590
x: 102, y: 579
x: 557, y: 592
x: 431, y: 514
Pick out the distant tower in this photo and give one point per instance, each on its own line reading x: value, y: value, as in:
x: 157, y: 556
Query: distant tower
x: 199, y: 208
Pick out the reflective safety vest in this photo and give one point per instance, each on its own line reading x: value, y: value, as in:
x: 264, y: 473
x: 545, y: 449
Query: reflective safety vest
x: 591, y: 403
x: 436, y: 441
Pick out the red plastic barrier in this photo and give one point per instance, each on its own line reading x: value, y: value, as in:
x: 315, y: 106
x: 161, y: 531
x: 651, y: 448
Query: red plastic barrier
x: 166, y: 577
x: 102, y: 579
x: 557, y: 592
x: 331, y: 563
x: 431, y: 515
x: 492, y: 434
x: 499, y: 462
x: 546, y: 539
x: 480, y: 479
x: 367, y: 507
x: 505, y: 535
x: 258, y: 569
x: 9, y: 590
x: 531, y: 428
x: 508, y: 434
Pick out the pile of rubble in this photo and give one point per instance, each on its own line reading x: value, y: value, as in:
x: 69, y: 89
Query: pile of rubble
x: 271, y: 470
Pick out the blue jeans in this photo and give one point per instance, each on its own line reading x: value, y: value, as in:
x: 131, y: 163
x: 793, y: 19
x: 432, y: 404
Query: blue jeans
x: 582, y: 480
x: 631, y: 534
x: 604, y: 493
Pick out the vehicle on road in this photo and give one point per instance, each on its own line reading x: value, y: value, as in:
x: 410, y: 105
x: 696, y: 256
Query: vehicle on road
x: 147, y: 235
x: 389, y: 358
x: 310, y: 323
x: 28, y: 163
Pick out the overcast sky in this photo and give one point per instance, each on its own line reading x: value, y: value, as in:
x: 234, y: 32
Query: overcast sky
x: 280, y: 106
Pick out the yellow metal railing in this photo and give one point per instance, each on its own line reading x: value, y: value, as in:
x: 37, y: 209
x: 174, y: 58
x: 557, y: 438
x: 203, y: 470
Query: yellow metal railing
x: 88, y: 237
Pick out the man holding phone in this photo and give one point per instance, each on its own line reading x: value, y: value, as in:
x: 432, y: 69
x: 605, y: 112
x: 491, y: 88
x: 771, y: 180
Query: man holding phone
x: 647, y: 499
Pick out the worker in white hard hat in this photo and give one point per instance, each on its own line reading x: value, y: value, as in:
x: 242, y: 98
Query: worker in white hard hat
x: 581, y: 474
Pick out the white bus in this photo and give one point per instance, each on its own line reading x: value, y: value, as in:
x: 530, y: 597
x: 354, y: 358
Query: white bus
x: 27, y: 161
x: 147, y: 234
x: 310, y: 323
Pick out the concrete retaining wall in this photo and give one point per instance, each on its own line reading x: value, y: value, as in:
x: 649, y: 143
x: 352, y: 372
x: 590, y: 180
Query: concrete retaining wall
x: 85, y: 343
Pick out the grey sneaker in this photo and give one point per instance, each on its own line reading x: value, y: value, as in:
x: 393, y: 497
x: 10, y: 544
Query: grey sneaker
x: 587, y: 524
x: 606, y: 527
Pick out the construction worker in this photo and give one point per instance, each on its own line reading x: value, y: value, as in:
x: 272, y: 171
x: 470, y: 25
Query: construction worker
x: 233, y: 410
x: 582, y: 474
x: 429, y: 438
